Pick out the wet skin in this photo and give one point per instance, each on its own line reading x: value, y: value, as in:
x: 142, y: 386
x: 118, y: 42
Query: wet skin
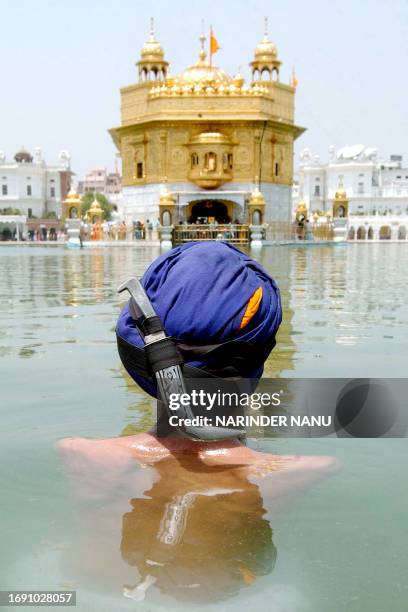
x: 190, y: 520
x: 104, y: 460
x: 147, y: 448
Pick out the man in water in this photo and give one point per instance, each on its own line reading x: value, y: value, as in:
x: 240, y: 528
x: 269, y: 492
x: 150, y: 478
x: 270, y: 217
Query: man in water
x: 224, y: 311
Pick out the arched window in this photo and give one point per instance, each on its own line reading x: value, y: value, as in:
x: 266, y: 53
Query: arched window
x: 351, y: 234
x: 370, y: 233
x: 385, y: 232
x: 210, y: 161
x: 166, y: 218
x: 227, y: 161
x: 275, y: 74
x: 265, y: 74
x: 194, y: 160
x: 256, y: 217
x: 361, y: 233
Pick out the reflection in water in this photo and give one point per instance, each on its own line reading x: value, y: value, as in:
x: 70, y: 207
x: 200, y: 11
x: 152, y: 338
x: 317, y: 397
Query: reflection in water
x: 281, y: 360
x: 337, y: 301
x: 199, y: 535
x: 193, y: 532
x: 60, y: 376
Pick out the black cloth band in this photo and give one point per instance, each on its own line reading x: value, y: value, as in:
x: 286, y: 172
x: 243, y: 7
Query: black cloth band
x: 162, y: 354
x: 149, y: 326
x: 229, y: 359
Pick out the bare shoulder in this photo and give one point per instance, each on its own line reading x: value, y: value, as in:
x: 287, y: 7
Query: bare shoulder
x: 280, y: 477
x: 301, y: 465
x: 110, y: 451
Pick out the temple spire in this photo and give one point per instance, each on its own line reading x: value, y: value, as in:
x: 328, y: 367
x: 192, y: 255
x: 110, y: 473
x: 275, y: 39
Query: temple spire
x: 202, y: 53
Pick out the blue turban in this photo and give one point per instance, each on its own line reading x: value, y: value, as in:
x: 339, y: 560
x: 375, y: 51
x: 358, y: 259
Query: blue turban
x: 209, y: 293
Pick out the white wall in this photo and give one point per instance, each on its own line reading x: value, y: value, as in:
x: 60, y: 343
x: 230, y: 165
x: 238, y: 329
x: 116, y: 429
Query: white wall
x: 18, y: 176
x: 141, y: 203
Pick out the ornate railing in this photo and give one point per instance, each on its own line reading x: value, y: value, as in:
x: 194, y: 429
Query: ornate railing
x: 237, y: 234
x: 314, y: 231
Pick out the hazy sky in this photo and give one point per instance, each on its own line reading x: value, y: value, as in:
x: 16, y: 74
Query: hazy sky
x: 62, y: 64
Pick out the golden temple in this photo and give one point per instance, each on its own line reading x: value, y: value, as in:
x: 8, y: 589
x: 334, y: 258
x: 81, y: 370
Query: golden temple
x: 207, y: 140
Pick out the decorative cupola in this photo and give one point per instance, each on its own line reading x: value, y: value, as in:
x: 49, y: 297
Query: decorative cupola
x: 23, y: 156
x: 95, y: 212
x: 152, y: 65
x: 256, y: 205
x: 340, y: 202
x: 265, y: 65
x: 71, y: 207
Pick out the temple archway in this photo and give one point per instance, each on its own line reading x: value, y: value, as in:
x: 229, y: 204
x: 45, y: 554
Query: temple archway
x: 361, y: 233
x: 208, y: 211
x: 385, y: 232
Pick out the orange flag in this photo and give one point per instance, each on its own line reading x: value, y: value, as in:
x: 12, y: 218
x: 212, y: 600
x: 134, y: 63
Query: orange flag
x: 294, y: 82
x: 214, y: 46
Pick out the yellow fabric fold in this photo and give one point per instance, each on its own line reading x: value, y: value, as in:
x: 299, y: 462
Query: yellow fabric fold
x: 252, y: 307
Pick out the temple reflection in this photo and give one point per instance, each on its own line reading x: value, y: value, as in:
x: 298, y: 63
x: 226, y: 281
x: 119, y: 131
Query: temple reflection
x: 198, y: 534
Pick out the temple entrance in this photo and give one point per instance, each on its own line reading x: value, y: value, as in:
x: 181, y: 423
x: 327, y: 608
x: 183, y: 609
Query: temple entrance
x: 209, y: 211
x: 211, y: 220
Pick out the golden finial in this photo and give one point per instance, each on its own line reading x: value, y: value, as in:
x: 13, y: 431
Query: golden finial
x: 152, y: 46
x: 340, y: 193
x: 266, y: 46
x: 202, y: 53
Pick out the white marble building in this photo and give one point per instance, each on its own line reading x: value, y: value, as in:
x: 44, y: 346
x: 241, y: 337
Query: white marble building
x: 377, y: 190
x: 32, y: 187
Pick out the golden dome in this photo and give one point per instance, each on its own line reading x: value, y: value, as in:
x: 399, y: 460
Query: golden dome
x: 95, y: 206
x: 210, y: 138
x: 73, y: 197
x: 266, y: 50
x: 166, y: 198
x: 152, y: 50
x: 204, y: 79
x: 202, y: 72
x: 256, y: 198
x: 238, y: 80
x: 95, y: 212
x: 340, y: 195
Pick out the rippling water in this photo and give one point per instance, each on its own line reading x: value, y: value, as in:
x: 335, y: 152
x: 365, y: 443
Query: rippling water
x: 339, y: 547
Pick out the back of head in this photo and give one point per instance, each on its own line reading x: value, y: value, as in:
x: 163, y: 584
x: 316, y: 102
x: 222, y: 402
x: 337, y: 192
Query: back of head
x: 219, y: 304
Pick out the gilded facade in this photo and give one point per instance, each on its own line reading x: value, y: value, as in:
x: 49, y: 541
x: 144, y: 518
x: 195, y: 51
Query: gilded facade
x: 207, y: 137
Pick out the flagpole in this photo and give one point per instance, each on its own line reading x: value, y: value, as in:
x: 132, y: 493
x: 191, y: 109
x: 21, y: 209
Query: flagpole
x: 210, y: 46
